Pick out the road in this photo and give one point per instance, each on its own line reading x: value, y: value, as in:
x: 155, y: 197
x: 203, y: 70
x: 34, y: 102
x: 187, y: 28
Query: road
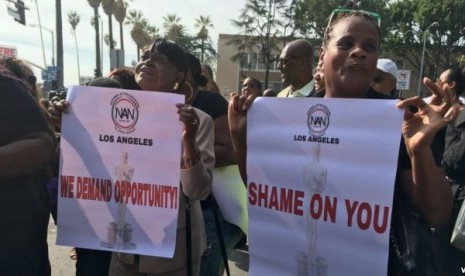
x: 62, y: 265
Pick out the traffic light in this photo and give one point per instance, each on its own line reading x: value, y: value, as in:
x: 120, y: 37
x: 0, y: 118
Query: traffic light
x: 18, y: 13
x: 97, y: 73
x: 21, y: 8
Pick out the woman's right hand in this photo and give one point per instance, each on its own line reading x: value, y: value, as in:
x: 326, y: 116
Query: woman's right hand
x: 237, y: 112
x: 56, y: 110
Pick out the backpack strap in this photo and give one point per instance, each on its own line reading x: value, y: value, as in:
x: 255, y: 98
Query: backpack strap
x: 188, y: 236
x: 219, y: 231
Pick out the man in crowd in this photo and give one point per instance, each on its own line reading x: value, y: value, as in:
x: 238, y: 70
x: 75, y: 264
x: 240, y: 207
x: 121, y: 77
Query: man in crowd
x: 385, y: 79
x: 295, y: 64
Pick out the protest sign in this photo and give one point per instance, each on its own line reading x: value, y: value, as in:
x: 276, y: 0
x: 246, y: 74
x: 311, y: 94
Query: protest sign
x: 119, y: 171
x: 320, y: 185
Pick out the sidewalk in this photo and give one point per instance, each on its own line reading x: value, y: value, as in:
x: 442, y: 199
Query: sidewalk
x: 62, y: 265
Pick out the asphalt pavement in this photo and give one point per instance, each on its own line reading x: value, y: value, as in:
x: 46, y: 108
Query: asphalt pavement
x: 62, y: 265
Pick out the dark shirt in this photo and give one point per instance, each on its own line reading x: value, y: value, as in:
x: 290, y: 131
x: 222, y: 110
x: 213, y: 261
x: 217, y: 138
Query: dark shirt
x: 216, y: 106
x: 454, y: 155
x: 24, y: 202
x: 213, y: 104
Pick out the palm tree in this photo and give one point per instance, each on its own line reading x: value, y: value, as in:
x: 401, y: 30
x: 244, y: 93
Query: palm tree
x: 106, y: 39
x: 141, y: 36
x: 108, y: 7
x: 98, y: 70
x: 135, y: 19
x: 203, y: 23
x: 120, y: 14
x: 173, y: 27
x: 73, y: 19
x: 59, y: 34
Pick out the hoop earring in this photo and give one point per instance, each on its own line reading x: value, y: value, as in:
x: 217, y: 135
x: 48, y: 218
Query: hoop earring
x: 192, y: 92
x: 176, y: 86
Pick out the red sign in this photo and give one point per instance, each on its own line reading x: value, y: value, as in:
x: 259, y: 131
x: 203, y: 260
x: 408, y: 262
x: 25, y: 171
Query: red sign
x: 7, y: 51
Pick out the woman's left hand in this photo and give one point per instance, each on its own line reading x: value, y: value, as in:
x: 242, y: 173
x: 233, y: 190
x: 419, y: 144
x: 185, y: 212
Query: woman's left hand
x: 189, y: 117
x: 420, y: 127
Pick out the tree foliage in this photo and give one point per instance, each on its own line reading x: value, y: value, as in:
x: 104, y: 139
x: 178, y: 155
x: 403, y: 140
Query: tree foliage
x: 202, y: 45
x: 264, y: 25
x: 311, y: 16
x: 413, y: 24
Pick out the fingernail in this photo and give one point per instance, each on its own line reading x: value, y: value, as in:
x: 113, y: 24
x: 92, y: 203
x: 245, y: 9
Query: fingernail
x: 450, y: 115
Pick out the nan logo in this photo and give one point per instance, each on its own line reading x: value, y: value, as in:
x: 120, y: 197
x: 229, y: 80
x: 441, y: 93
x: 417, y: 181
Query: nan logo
x: 318, y: 119
x: 124, y: 112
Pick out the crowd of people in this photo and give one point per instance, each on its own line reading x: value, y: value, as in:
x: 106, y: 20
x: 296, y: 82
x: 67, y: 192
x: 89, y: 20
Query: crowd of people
x: 429, y: 188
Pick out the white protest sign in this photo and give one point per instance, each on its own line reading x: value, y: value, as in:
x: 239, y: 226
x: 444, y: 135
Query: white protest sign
x: 320, y: 185
x: 119, y: 171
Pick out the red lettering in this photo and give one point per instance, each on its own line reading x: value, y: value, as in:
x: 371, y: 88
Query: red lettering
x: 330, y: 209
x: 316, y: 206
x: 364, y: 225
x: 381, y: 229
x: 298, y: 203
x: 79, y: 187
x: 66, y: 185
x: 327, y: 208
x: 273, y: 199
x: 286, y: 200
x: 252, y: 193
x: 262, y: 195
x: 350, y: 211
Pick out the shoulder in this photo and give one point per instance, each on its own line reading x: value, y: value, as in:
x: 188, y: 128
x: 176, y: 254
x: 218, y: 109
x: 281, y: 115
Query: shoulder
x: 213, y: 104
x: 204, y: 118
x: 285, y: 92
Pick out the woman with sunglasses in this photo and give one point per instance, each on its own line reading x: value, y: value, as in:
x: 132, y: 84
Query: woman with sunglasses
x: 348, y: 60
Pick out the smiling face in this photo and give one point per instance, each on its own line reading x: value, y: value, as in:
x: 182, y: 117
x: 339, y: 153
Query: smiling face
x: 155, y: 73
x: 349, y: 57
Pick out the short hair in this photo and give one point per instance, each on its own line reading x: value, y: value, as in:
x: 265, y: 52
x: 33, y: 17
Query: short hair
x: 259, y: 83
x: 22, y: 71
x: 172, y: 51
x: 105, y: 82
x: 126, y: 77
x: 333, y: 20
x: 458, y: 76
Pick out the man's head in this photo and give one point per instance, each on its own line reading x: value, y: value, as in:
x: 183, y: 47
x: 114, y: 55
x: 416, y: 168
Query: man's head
x: 295, y: 63
x: 385, y: 79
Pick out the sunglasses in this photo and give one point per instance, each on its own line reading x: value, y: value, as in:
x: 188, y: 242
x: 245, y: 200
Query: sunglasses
x: 337, y: 13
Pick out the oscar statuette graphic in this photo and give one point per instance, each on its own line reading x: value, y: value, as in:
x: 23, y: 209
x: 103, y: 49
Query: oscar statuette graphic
x: 315, y: 175
x: 119, y: 233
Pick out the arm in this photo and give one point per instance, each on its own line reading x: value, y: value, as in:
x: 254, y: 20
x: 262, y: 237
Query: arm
x: 198, y: 153
x: 237, y: 115
x: 425, y: 183
x: 26, y: 155
x: 224, y: 149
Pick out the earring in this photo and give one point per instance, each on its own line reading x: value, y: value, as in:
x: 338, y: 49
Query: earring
x: 176, y: 86
x: 192, y: 92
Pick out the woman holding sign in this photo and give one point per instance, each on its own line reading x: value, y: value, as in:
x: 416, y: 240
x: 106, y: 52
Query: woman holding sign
x: 163, y: 68
x: 348, y: 58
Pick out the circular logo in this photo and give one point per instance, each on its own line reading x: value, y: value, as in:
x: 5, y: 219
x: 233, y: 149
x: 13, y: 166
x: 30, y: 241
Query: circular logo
x: 318, y: 119
x: 124, y: 112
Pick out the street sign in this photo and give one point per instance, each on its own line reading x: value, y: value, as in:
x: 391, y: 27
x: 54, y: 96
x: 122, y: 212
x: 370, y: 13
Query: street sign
x: 403, y: 79
x: 50, y: 74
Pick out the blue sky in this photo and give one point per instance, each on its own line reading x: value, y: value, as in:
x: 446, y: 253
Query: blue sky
x: 28, y: 43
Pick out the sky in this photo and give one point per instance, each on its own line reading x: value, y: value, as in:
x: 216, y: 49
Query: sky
x: 27, y: 38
